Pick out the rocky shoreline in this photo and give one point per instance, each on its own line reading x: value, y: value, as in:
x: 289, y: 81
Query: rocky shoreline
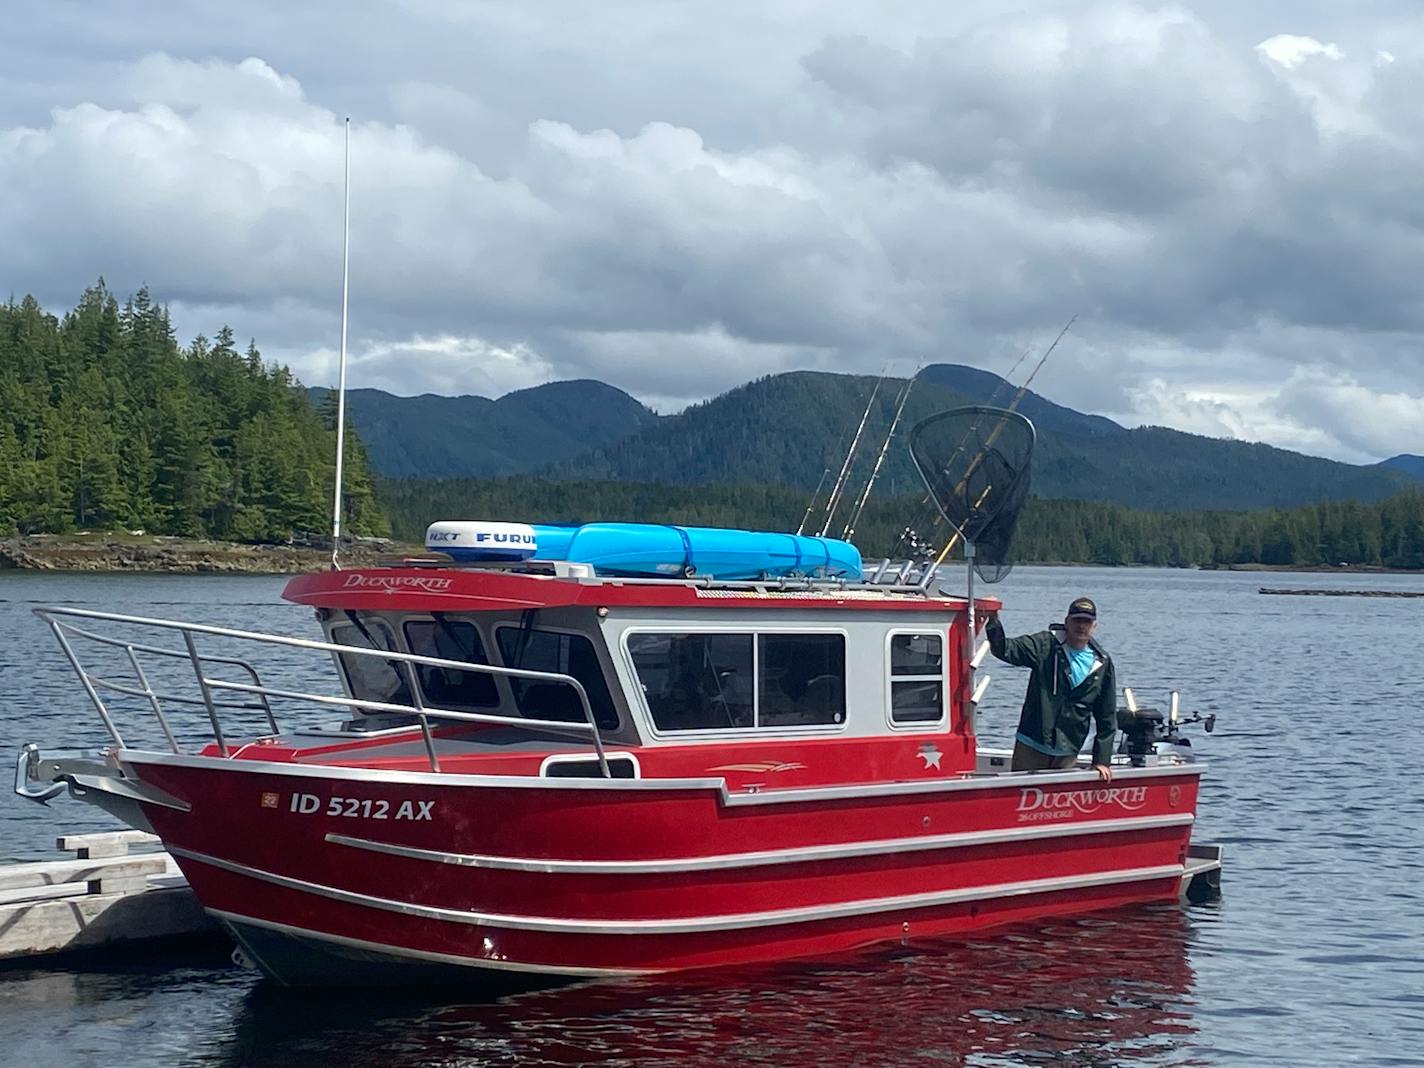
x: 44, y: 552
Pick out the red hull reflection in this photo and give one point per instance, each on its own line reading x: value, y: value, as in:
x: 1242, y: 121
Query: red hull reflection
x: 1109, y: 989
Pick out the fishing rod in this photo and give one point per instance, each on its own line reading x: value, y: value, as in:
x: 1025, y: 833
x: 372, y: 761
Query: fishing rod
x: 880, y: 459
x: 812, y: 505
x: 834, y: 500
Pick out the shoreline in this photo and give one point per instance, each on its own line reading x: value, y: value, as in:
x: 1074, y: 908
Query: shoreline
x: 177, y: 555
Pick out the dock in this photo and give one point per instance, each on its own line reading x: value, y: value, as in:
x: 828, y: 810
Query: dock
x: 1339, y: 593
x: 101, y: 895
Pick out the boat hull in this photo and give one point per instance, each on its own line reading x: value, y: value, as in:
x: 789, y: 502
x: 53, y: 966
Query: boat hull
x: 314, y: 868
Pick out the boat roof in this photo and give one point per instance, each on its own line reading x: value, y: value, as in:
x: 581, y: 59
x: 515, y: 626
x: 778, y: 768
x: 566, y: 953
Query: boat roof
x: 417, y: 586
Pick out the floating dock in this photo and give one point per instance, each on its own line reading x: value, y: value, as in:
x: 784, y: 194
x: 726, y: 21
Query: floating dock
x: 102, y: 896
x: 1339, y: 593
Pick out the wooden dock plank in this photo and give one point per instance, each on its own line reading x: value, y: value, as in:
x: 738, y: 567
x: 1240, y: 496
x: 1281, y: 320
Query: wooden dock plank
x: 103, y: 844
x: 88, y: 921
x: 52, y: 872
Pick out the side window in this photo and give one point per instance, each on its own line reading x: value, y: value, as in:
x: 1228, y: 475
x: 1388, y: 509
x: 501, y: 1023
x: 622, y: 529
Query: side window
x: 801, y: 679
x: 451, y: 687
x: 564, y: 654
x: 371, y: 678
x: 695, y: 682
x: 916, y: 678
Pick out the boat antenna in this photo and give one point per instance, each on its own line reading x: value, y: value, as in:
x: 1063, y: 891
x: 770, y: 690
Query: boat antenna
x: 341, y: 371
x: 807, y: 517
x: 880, y: 459
x: 834, y: 500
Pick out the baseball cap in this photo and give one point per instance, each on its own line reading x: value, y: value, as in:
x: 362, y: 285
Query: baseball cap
x: 1083, y: 606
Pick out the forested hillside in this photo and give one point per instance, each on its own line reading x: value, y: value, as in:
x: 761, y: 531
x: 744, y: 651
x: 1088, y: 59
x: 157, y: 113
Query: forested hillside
x: 106, y: 422
x: 1406, y: 462
x: 436, y: 437
x: 1389, y: 533
x: 788, y: 429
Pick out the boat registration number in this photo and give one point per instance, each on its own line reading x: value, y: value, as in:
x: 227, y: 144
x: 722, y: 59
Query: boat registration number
x: 361, y: 808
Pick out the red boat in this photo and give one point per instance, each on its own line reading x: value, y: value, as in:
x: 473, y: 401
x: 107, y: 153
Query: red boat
x: 529, y: 767
x: 620, y: 749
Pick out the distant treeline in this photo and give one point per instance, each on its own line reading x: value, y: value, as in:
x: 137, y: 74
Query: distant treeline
x: 106, y: 423
x: 1389, y: 533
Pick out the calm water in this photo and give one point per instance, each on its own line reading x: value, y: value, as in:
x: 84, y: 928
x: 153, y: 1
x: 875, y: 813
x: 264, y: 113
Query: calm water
x: 1315, y: 956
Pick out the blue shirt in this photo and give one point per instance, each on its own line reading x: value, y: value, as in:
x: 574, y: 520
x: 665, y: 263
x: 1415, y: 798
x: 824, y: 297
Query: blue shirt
x: 1080, y: 662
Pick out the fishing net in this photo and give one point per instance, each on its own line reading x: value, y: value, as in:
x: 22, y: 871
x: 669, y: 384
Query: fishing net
x: 975, y: 462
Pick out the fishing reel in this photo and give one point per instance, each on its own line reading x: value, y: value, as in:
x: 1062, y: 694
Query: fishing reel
x: 1146, y: 732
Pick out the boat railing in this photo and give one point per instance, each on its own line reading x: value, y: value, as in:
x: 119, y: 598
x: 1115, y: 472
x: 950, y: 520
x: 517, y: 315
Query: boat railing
x: 911, y: 577
x: 216, y: 695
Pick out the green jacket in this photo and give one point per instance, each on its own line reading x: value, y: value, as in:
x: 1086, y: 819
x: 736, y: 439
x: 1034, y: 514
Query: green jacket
x: 1056, y: 714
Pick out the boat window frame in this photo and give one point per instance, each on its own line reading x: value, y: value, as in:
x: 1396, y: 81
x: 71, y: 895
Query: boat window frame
x: 920, y: 725
x: 395, y: 645
x: 500, y: 698
x: 609, y: 679
x: 722, y: 733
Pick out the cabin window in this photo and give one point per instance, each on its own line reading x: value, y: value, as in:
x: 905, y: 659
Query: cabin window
x: 695, y: 682
x: 800, y: 679
x: 370, y: 678
x: 916, y: 678
x: 450, y: 687
x: 564, y: 654
x: 717, y: 681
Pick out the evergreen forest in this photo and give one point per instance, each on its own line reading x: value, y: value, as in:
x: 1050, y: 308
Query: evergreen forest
x: 107, y: 423
x: 1388, y: 533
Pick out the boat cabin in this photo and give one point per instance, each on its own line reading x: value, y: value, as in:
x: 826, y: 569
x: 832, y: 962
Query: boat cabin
x: 791, y: 682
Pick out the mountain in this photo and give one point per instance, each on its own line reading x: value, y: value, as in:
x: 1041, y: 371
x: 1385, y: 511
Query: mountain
x: 985, y: 387
x: 439, y: 437
x: 783, y: 430
x: 1406, y: 462
x: 787, y: 429
x: 794, y: 429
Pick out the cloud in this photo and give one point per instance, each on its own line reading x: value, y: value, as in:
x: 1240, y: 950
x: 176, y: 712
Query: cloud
x: 676, y: 203
x: 1290, y: 50
x: 1369, y: 422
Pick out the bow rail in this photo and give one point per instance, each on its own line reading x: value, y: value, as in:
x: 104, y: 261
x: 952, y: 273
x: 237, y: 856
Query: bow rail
x: 253, y: 695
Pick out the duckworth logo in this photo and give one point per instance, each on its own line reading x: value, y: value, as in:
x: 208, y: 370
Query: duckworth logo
x: 1037, y: 805
x: 394, y: 583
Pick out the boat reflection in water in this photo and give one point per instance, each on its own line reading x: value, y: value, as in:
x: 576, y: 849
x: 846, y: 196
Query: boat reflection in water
x: 1109, y: 989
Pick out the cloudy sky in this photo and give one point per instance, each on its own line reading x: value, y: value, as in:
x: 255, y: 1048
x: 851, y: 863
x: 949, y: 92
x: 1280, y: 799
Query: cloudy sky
x: 677, y: 197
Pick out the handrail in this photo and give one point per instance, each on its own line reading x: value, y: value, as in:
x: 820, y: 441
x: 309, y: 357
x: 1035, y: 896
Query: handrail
x: 92, y: 683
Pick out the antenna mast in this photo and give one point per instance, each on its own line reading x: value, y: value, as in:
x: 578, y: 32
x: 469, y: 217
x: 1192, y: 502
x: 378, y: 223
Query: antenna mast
x: 341, y: 373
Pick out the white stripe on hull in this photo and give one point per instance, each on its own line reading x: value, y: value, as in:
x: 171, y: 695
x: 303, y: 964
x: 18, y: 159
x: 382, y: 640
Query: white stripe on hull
x: 788, y: 795
x: 426, y: 955
x: 697, y: 924
x: 763, y: 858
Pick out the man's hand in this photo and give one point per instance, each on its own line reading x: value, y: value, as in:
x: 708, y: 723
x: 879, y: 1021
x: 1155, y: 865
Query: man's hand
x: 991, y: 619
x: 1104, y: 772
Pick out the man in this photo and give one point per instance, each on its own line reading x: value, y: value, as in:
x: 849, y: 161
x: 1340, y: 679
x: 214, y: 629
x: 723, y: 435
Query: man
x: 1072, y: 683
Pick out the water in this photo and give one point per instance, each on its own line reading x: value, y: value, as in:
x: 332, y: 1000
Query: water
x: 1315, y: 955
